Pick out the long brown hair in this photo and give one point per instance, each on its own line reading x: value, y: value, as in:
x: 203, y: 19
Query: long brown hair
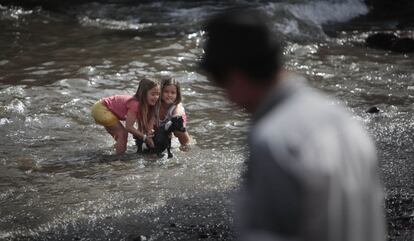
x: 145, y: 112
x: 171, y: 81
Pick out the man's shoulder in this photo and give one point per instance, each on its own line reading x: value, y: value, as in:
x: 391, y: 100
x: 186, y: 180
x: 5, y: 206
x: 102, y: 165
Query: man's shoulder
x: 304, y: 119
x: 303, y: 108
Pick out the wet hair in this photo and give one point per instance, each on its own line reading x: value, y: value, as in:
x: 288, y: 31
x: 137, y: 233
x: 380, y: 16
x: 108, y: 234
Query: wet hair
x: 171, y: 81
x: 145, y: 112
x: 241, y: 40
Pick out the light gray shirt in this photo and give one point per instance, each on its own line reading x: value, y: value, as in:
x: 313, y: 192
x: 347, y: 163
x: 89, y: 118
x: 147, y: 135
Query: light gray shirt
x: 312, y: 172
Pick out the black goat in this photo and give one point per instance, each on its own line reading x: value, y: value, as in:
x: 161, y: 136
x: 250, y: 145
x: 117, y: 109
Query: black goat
x: 162, y: 137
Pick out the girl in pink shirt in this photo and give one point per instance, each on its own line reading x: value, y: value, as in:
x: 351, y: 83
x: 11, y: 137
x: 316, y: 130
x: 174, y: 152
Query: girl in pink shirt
x: 140, y: 108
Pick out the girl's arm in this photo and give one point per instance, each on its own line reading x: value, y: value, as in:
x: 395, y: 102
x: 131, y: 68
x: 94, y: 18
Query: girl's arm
x: 151, y: 125
x: 179, y: 110
x: 183, y: 137
x: 150, y: 132
x: 131, y: 118
x: 129, y: 126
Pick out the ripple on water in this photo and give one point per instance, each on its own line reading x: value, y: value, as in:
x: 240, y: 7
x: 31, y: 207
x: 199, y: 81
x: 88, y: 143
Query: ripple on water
x: 11, y: 92
x: 13, y: 109
x: 97, y: 191
x: 4, y: 62
x: 72, y: 83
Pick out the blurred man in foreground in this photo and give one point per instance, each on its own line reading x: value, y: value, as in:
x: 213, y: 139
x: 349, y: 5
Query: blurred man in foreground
x: 312, y: 170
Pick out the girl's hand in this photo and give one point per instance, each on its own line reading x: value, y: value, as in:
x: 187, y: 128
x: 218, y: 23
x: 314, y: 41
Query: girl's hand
x: 149, y: 141
x: 184, y: 148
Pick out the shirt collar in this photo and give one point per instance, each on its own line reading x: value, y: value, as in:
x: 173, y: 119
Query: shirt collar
x: 280, y: 92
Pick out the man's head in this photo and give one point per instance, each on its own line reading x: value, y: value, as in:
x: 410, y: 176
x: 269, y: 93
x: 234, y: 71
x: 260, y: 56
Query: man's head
x: 242, y: 55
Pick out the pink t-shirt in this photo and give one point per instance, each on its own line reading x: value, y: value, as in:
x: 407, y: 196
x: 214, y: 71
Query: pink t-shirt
x: 120, y: 105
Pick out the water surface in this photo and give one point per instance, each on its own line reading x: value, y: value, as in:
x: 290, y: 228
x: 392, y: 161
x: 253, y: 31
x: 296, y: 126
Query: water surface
x: 58, y: 179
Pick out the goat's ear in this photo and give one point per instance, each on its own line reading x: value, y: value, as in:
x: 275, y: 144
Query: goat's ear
x: 168, y: 125
x: 177, y: 118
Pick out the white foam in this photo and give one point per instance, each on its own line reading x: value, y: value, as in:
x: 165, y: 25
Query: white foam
x: 113, y: 24
x: 322, y: 12
x: 304, y: 19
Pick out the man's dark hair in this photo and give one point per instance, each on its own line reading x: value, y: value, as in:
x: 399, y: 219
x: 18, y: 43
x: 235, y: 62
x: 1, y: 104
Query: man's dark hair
x: 241, y: 40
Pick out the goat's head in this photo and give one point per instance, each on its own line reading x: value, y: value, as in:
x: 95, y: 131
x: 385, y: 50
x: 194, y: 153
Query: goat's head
x: 175, y: 124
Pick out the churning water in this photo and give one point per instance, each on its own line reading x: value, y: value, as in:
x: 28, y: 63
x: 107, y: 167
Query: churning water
x: 58, y: 179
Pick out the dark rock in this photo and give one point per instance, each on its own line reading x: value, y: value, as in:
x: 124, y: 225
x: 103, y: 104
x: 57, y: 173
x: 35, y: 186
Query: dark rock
x: 391, y: 9
x: 202, y: 235
x: 390, y: 41
x: 373, y: 110
x: 173, y: 225
x: 403, y: 45
x: 381, y: 40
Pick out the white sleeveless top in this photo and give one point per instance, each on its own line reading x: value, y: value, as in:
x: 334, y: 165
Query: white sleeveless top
x: 168, y: 116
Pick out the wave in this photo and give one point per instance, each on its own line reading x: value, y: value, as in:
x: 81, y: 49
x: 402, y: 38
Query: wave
x: 13, y: 12
x: 304, y: 21
x: 298, y: 20
x: 322, y: 12
x: 113, y: 24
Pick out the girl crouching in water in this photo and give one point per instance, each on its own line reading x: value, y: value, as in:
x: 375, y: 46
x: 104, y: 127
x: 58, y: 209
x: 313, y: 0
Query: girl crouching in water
x: 170, y: 105
x: 140, y: 108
